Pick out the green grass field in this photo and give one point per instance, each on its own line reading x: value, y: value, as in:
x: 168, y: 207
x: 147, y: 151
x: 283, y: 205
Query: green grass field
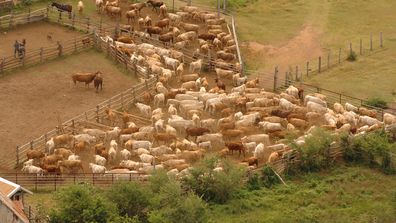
x: 344, y: 194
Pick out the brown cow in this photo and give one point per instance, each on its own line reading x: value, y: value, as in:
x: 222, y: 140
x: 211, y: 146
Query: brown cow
x: 196, y: 131
x: 129, y: 130
x: 34, y: 154
x: 220, y: 84
x: 237, y: 146
x: 153, y: 30
x: 87, y: 78
x: 71, y: 165
x: 164, y: 137
x: 207, y: 36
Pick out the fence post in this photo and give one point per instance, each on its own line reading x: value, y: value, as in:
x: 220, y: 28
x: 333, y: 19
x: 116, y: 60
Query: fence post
x: 17, y: 156
x: 286, y: 79
x: 173, y: 6
x: 35, y: 186
x: 297, y: 73
x: 218, y: 8
x: 41, y: 54
x: 47, y: 12
x: 97, y: 113
x: 55, y: 182
x: 328, y: 60
x: 30, y: 209
x: 381, y: 45
x: 145, y: 82
x: 340, y: 98
x: 31, y: 144
x: 350, y: 48
x: 320, y: 64
x: 2, y: 65
x: 60, y: 48
x: 100, y: 24
x: 28, y: 18
x: 307, y: 68
x: 371, y: 42
x: 361, y: 47
x: 60, y: 16
x: 88, y: 25
x: 275, y: 77
x: 11, y: 18
x: 93, y: 179
x: 224, y: 5
x: 73, y: 18
x: 188, y: 2
x: 339, y: 56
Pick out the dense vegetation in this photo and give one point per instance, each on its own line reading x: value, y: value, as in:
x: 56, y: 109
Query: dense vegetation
x: 315, y: 191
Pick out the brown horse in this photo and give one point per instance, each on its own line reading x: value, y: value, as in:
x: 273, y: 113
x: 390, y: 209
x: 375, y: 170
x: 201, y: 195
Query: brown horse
x: 98, y: 81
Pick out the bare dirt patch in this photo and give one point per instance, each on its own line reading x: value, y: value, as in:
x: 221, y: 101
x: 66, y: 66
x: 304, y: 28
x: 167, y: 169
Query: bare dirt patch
x: 31, y: 98
x: 301, y: 48
x: 35, y: 35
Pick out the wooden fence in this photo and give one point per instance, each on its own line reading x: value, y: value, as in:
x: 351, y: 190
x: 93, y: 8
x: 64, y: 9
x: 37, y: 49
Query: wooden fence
x: 6, y: 4
x: 12, y: 20
x: 32, y: 57
x: 94, y: 115
x: 79, y: 43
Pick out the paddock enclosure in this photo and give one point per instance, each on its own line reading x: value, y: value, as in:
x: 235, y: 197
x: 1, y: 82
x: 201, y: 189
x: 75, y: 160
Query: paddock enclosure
x: 38, y: 34
x: 32, y: 97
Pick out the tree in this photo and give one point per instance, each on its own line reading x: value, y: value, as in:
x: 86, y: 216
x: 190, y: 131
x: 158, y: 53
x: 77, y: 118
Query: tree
x: 131, y: 199
x: 82, y: 204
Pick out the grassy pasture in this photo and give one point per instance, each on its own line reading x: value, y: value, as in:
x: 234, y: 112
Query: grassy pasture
x: 343, y: 194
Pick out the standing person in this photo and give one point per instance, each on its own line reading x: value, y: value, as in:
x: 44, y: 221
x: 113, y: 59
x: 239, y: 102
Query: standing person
x: 16, y: 47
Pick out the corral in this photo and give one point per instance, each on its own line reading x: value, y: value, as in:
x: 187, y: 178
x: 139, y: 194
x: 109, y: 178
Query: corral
x: 38, y: 34
x: 31, y: 98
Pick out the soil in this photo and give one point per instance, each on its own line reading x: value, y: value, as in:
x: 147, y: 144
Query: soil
x: 36, y: 35
x: 303, y: 47
x: 32, y: 98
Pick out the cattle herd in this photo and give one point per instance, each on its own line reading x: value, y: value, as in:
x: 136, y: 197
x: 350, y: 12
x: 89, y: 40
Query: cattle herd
x: 193, y: 118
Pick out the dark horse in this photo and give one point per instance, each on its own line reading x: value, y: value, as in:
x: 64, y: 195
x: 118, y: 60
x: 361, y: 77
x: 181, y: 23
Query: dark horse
x: 98, y: 81
x: 63, y: 8
x: 155, y: 4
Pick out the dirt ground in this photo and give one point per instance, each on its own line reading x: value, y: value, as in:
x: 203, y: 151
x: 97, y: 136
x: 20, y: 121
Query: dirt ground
x: 31, y: 98
x: 303, y: 47
x: 35, y: 35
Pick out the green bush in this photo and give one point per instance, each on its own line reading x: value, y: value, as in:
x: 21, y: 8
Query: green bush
x: 314, y: 153
x: 372, y: 149
x: 131, y: 198
x: 80, y: 204
x: 377, y: 102
x: 352, y: 56
x: 173, y: 204
x: 253, y: 182
x: 214, y: 186
x: 268, y: 177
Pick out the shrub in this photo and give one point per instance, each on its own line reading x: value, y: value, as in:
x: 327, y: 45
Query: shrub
x: 82, y: 203
x: 372, y: 149
x: 268, y: 177
x: 253, y: 182
x: 131, y: 199
x: 352, y: 56
x: 173, y: 204
x: 377, y: 102
x: 314, y: 153
x: 211, y: 185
